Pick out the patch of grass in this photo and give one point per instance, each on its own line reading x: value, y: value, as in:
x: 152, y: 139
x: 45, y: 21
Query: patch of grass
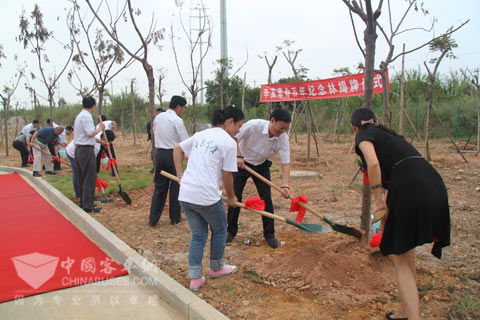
x: 130, y: 178
x: 467, y: 307
x: 253, y: 276
x: 227, y: 286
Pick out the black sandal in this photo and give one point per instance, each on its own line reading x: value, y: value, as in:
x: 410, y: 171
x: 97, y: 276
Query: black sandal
x: 388, y: 316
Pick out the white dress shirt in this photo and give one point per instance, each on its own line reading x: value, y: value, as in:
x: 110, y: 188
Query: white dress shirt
x: 256, y: 146
x: 169, y: 130
x: 83, y: 127
x: 62, y: 138
x: 108, y: 125
x: 71, y: 149
x: 26, y: 130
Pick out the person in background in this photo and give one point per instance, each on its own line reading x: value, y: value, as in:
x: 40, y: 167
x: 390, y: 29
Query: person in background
x: 169, y: 131
x: 30, y: 127
x: 112, y: 126
x: 258, y: 140
x: 416, y: 201
x: 96, y: 149
x: 85, y: 133
x: 40, y: 141
x: 62, y: 141
x: 212, y: 157
x: 22, y: 144
x: 34, y: 125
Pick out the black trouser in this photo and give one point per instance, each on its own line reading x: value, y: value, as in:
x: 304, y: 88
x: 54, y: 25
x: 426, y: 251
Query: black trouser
x: 99, y: 157
x: 239, y: 180
x: 86, y: 174
x: 56, y: 165
x: 164, y: 161
x: 20, y: 146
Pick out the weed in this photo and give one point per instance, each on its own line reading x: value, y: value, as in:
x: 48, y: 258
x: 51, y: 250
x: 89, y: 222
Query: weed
x: 253, y: 276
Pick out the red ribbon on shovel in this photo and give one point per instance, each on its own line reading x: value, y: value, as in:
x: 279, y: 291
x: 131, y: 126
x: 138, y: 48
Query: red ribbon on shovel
x: 365, y: 175
x: 104, y: 155
x: 101, y: 183
x: 110, y: 161
x: 55, y: 159
x: 376, y: 240
x: 31, y: 159
x: 255, y: 203
x: 295, y: 206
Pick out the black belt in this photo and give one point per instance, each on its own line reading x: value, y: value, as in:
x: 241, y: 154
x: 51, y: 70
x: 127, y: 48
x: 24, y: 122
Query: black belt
x: 400, y: 161
x: 83, y: 146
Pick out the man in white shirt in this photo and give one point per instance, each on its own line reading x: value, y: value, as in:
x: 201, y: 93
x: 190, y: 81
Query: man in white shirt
x: 70, y: 149
x: 258, y: 140
x: 85, y: 133
x: 169, y: 130
x: 30, y: 127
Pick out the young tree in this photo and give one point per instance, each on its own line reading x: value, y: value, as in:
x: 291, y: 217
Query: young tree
x: 6, y: 96
x: 153, y: 35
x: 196, y: 55
x: 103, y: 59
x: 162, y: 74
x: 34, y: 35
x: 474, y: 78
x: 270, y: 66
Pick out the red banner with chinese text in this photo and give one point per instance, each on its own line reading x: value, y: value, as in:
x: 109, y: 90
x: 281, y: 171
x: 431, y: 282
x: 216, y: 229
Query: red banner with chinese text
x: 340, y: 87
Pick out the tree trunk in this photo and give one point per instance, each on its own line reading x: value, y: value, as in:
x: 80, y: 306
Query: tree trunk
x: 194, y: 111
x: 151, y: 101
x: 52, y: 105
x: 309, y: 130
x: 427, y: 122
x: 370, y: 37
x: 387, y: 119
x: 478, y: 117
x: 402, y: 95
x: 134, y: 121
x: 101, y: 91
x: 243, y: 91
x: 5, y: 110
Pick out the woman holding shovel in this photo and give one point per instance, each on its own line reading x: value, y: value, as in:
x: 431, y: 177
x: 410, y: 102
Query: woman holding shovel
x: 212, y: 157
x: 416, y: 202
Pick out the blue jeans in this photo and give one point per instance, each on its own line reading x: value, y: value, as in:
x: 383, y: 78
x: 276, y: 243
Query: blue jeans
x: 73, y: 163
x: 199, y: 218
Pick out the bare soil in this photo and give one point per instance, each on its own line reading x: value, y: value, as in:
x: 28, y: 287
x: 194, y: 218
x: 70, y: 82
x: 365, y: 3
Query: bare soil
x: 314, y: 276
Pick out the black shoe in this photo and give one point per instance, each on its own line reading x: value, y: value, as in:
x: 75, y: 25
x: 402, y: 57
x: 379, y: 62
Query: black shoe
x: 24, y: 165
x: 174, y: 222
x: 92, y: 210
x: 57, y: 169
x: 389, y: 317
x: 36, y: 174
x: 272, y: 242
x: 230, y: 237
x: 153, y: 170
x: 50, y: 173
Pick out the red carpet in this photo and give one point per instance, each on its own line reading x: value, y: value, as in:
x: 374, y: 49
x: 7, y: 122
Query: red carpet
x: 40, y: 250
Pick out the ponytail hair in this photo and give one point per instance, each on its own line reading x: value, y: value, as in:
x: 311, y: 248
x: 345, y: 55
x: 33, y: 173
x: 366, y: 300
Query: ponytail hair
x: 364, y: 118
x: 219, y: 116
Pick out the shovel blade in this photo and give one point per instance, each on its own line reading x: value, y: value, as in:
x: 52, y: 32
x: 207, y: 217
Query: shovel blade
x: 309, y: 228
x: 124, y: 196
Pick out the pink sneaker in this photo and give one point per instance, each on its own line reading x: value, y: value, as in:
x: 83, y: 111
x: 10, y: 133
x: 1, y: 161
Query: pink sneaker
x: 196, y: 283
x: 225, y: 270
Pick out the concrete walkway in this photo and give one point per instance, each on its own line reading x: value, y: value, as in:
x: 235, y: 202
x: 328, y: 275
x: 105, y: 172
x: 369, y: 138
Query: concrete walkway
x: 146, y: 293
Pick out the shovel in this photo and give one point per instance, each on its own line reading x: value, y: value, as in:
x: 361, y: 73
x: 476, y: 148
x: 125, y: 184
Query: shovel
x: 335, y: 226
x: 307, y: 228
x: 49, y: 154
x: 122, y: 194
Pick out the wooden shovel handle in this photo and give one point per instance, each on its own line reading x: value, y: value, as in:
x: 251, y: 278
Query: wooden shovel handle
x: 238, y: 204
x: 274, y: 186
x: 48, y: 154
x: 108, y: 151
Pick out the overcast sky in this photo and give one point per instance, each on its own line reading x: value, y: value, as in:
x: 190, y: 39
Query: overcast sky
x: 322, y: 29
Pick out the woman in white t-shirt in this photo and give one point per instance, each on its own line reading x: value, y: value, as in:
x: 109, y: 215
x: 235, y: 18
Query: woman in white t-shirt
x: 212, y: 157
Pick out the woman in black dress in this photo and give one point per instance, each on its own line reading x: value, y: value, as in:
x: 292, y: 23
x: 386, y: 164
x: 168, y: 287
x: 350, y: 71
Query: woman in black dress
x: 416, y: 201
